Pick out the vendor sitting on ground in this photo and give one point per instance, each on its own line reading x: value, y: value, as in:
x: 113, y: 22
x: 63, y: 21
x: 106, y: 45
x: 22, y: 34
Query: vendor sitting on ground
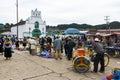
x: 48, y: 47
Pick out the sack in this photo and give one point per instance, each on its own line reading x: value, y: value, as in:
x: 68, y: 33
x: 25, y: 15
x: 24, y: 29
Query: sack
x: 33, y: 46
x: 53, y: 55
x: 116, y: 75
x: 93, y: 56
x: 43, y: 53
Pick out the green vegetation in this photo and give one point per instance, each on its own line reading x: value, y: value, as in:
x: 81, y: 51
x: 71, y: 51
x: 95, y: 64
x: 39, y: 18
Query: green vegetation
x: 1, y: 25
x: 112, y: 25
x: 61, y: 27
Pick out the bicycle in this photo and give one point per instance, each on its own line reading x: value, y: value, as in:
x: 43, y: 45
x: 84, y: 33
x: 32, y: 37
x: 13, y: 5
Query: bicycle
x: 106, y: 55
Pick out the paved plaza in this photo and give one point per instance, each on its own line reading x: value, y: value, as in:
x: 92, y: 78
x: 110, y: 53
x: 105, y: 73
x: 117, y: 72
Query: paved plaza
x: 23, y: 66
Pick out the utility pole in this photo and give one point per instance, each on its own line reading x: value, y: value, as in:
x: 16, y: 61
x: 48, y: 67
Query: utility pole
x: 29, y: 32
x: 107, y: 18
x: 17, y: 16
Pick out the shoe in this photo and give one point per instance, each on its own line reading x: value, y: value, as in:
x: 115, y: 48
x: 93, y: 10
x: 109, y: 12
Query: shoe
x: 69, y: 59
x: 60, y: 58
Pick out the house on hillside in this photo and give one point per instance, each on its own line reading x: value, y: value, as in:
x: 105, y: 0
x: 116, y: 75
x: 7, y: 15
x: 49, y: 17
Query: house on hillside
x: 107, y: 31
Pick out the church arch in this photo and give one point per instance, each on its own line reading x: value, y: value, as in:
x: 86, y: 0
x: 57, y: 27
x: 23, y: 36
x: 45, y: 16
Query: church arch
x: 36, y: 25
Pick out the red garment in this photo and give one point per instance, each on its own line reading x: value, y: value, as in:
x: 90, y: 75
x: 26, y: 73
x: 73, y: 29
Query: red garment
x: 109, y: 77
x: 80, y: 43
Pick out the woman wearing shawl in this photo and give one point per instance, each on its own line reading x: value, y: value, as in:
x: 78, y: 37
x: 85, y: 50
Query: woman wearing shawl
x: 7, y: 48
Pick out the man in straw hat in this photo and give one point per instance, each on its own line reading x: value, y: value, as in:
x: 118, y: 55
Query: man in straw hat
x: 98, y: 48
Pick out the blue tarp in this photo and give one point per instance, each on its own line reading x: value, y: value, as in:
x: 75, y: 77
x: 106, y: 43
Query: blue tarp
x: 71, y: 31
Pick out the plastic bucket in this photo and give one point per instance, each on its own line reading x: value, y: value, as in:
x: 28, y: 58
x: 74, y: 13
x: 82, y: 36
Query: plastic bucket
x: 80, y: 52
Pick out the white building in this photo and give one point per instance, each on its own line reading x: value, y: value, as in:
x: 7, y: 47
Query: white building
x: 33, y: 26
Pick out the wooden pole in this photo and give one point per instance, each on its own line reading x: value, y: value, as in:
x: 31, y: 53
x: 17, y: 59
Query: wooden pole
x: 17, y: 16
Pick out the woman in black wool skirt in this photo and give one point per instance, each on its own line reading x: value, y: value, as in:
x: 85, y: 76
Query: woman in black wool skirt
x: 7, y: 48
x: 1, y: 46
x: 17, y: 43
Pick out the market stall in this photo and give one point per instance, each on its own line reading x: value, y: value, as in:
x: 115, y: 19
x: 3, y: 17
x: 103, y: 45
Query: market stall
x: 111, y: 42
x: 7, y: 34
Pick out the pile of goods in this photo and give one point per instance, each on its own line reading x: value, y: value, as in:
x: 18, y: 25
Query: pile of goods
x: 114, y: 76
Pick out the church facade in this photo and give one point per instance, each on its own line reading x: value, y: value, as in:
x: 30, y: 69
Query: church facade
x: 33, y: 26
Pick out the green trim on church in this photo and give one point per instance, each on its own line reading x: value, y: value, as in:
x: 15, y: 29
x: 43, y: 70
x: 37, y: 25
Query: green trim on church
x: 36, y: 32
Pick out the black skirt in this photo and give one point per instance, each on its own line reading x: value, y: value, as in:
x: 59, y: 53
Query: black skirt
x: 1, y: 49
x: 8, y: 52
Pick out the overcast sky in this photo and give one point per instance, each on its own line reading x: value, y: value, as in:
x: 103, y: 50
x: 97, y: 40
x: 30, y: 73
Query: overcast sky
x: 56, y: 12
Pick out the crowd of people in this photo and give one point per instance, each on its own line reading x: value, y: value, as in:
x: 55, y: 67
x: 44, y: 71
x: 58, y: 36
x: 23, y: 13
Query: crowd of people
x: 57, y: 45
x: 44, y: 43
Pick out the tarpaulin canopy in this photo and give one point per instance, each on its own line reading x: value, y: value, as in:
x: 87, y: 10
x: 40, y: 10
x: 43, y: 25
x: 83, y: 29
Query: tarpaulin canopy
x: 7, y: 34
x: 102, y: 35
x: 71, y: 31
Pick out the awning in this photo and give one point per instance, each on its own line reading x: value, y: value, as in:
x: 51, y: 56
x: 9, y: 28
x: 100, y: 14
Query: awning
x: 7, y: 34
x: 71, y: 31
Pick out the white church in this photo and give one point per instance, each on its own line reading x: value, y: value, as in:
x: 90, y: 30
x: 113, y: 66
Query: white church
x: 33, y: 26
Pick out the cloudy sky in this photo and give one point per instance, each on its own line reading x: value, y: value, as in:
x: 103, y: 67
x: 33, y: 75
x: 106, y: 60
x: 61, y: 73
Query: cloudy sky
x: 56, y: 12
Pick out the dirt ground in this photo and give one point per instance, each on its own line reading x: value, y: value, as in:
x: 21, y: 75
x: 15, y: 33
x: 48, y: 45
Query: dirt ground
x: 23, y: 66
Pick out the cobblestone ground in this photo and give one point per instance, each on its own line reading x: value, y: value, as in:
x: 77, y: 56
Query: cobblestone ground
x: 23, y: 66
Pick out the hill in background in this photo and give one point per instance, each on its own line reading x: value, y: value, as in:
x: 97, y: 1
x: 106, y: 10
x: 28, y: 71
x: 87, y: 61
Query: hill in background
x: 112, y: 25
